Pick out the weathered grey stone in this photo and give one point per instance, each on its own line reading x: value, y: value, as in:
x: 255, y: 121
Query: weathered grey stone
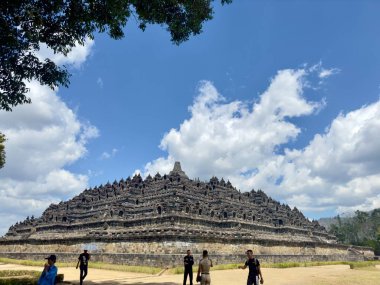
x: 172, y: 208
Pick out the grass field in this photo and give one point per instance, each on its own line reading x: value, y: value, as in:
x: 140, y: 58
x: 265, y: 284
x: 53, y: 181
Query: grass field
x: 13, y: 273
x: 352, y: 264
x: 19, y: 277
x: 97, y: 265
x: 180, y: 269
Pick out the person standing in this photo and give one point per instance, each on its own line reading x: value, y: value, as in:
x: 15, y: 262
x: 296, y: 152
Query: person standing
x: 204, y: 269
x: 50, y: 271
x: 254, y: 269
x: 83, y: 265
x: 188, y: 262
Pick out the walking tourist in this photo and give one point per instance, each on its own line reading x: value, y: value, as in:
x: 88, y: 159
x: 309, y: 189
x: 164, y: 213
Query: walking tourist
x: 204, y: 269
x: 254, y: 269
x: 188, y: 262
x: 83, y: 265
x: 50, y: 271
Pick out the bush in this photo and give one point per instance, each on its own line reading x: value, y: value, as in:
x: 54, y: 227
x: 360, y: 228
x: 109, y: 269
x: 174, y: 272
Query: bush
x: 19, y: 281
x: 19, y: 277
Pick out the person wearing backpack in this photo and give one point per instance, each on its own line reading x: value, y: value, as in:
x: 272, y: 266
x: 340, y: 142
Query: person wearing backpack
x: 254, y: 269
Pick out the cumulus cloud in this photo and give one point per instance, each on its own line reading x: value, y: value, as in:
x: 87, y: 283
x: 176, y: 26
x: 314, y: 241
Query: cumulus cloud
x: 43, y: 138
x: 233, y: 138
x: 340, y: 168
x: 76, y: 57
x: 337, y: 171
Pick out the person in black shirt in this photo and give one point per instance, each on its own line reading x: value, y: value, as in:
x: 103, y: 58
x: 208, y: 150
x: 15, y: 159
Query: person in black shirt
x: 254, y: 269
x: 188, y: 261
x: 83, y: 265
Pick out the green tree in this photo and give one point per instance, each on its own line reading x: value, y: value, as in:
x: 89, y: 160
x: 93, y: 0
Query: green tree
x: 2, y: 150
x: 61, y: 24
x: 362, y: 229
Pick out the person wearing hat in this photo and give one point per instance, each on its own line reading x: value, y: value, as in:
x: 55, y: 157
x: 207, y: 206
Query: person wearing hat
x: 83, y: 265
x: 50, y: 271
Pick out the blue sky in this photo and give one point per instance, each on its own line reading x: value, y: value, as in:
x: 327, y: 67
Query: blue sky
x: 126, y: 96
x: 148, y: 83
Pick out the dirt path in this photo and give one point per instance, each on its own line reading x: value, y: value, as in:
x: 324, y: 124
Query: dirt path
x: 321, y: 275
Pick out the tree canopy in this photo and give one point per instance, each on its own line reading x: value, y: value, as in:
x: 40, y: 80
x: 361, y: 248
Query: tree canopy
x: 362, y: 229
x: 62, y: 24
x: 2, y: 150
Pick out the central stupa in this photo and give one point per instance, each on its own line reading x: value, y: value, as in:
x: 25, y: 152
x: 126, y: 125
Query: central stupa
x: 170, y: 205
x: 128, y: 220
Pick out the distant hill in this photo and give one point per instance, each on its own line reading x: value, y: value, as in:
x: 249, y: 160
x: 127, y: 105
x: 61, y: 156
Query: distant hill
x: 361, y: 228
x: 327, y: 222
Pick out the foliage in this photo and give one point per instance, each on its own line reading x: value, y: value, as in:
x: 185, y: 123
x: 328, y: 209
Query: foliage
x: 363, y: 229
x: 2, y: 150
x: 26, y: 262
x: 61, y: 24
x: 19, y: 281
x: 19, y: 277
x: 11, y: 273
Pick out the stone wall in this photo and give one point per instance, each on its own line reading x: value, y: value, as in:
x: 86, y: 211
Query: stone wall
x: 170, y: 253
x: 178, y: 247
x: 173, y: 260
x: 129, y: 206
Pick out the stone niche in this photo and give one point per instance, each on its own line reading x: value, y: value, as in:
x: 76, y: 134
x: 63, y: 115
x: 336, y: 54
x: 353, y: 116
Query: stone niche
x: 167, y: 214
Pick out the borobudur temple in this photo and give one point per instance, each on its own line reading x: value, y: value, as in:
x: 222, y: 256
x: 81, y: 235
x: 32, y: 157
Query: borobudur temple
x: 167, y: 214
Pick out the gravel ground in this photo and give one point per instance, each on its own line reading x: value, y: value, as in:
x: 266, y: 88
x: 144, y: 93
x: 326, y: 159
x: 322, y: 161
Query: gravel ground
x: 320, y: 275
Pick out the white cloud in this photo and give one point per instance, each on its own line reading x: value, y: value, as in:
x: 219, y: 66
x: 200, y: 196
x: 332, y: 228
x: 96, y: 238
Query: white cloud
x: 42, y: 139
x: 136, y: 172
x: 108, y: 155
x: 324, y: 73
x: 76, y: 57
x: 99, y: 81
x: 338, y: 170
x: 230, y: 138
x: 45, y: 126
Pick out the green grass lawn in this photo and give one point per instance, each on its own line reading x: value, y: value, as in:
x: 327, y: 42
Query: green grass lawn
x: 97, y: 265
x: 19, y: 277
x: 352, y: 264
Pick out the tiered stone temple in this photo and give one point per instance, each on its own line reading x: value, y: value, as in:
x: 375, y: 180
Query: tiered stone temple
x: 169, y: 214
